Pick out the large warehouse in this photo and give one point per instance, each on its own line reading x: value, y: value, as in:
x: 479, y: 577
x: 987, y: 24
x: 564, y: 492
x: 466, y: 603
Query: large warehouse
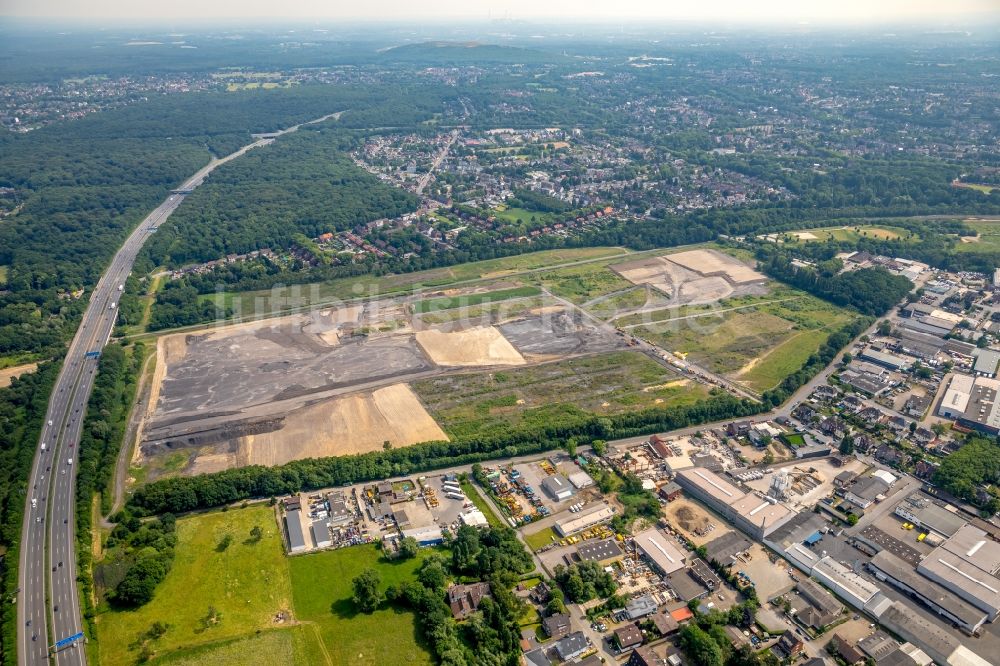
x: 968, y: 563
x: 887, y: 567
x: 588, y: 517
x: 757, y: 516
x: 973, y: 402
x: 655, y: 546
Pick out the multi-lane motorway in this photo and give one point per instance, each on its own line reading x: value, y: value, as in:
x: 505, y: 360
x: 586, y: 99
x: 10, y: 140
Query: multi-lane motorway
x: 48, y: 598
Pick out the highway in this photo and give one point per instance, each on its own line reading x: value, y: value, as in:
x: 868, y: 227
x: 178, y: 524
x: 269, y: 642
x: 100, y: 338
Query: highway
x: 48, y: 598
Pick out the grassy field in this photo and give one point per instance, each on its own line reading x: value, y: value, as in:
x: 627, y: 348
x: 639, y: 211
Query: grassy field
x: 852, y: 233
x: 760, y: 344
x: 468, y: 300
x: 582, y: 283
x: 293, y: 645
x: 979, y: 187
x: 514, y: 214
x: 322, y: 593
x: 468, y: 404
x: 988, y: 239
x: 247, y: 583
x: 537, y: 540
x: 370, y: 286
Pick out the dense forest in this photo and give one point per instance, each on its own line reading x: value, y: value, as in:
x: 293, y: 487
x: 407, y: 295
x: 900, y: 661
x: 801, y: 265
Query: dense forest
x: 84, y: 185
x: 304, y: 183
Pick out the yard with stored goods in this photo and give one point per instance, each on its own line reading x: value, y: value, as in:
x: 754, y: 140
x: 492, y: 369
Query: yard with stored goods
x: 248, y: 600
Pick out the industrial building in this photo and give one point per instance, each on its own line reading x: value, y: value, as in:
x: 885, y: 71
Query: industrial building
x: 866, y: 490
x: 587, y: 517
x: 942, y: 646
x: 655, y: 547
x: 815, y: 607
x: 986, y: 362
x: 972, y: 402
x: 293, y: 528
x: 847, y: 584
x: 320, y: 534
x: 890, y: 361
x: 425, y: 536
x: 602, y: 551
x: 755, y: 515
x: 581, y: 480
x: 888, y: 568
x: 758, y: 515
x: 967, y: 563
x: 557, y: 487
x: 929, y: 515
x: 710, y: 488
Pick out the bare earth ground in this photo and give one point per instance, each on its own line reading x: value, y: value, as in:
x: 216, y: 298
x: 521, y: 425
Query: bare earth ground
x: 695, y: 276
x: 352, y: 424
x: 327, y: 383
x: 7, y: 375
x: 474, y: 346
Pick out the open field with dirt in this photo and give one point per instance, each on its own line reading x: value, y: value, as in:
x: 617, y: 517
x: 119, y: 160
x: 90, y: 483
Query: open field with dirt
x: 343, y: 426
x: 471, y: 403
x: 332, y: 382
x: 7, y: 375
x: 694, y: 521
x: 693, y: 276
x: 843, y: 233
x: 482, y: 345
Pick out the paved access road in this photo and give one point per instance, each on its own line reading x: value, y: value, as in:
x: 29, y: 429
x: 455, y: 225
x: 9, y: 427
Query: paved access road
x: 48, y: 598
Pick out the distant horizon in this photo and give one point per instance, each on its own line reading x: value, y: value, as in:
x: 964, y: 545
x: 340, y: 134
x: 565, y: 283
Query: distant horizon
x: 819, y: 13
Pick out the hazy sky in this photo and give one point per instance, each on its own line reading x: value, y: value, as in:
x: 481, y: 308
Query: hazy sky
x: 784, y: 11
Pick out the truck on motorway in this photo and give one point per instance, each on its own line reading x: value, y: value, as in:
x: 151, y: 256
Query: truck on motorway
x: 69, y: 462
x: 34, y: 503
x: 121, y: 287
x: 43, y: 446
x: 112, y: 306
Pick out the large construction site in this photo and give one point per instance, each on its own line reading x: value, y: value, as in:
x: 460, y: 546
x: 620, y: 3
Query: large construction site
x: 332, y: 382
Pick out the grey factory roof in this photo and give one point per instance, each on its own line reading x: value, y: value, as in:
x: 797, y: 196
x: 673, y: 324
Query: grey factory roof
x: 932, y: 515
x: 724, y: 547
x: 935, y: 594
x: 296, y: 538
x: 598, y: 550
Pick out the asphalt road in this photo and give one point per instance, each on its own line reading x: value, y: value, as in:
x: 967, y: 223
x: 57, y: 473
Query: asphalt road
x: 48, y: 598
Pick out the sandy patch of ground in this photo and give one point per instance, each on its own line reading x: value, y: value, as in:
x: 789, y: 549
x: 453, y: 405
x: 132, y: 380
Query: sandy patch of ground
x: 351, y: 424
x: 806, y: 235
x: 676, y: 382
x: 212, y: 462
x: 709, y: 262
x: 694, y: 522
x: 705, y: 290
x: 7, y: 375
x: 483, y: 345
x: 969, y: 239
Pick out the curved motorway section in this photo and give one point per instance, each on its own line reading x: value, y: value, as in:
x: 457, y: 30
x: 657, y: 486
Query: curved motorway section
x: 48, y: 613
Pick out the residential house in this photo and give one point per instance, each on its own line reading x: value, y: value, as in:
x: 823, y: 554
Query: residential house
x: 572, y: 646
x: 847, y: 651
x: 556, y: 625
x: 464, y: 599
x: 665, y: 624
x: 628, y: 637
x: 789, y: 644
x: 645, y: 656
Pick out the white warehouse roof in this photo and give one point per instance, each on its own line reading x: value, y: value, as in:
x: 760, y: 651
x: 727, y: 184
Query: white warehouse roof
x: 654, y: 544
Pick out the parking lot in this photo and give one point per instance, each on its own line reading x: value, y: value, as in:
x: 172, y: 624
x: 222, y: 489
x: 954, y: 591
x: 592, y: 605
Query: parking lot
x: 769, y: 573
